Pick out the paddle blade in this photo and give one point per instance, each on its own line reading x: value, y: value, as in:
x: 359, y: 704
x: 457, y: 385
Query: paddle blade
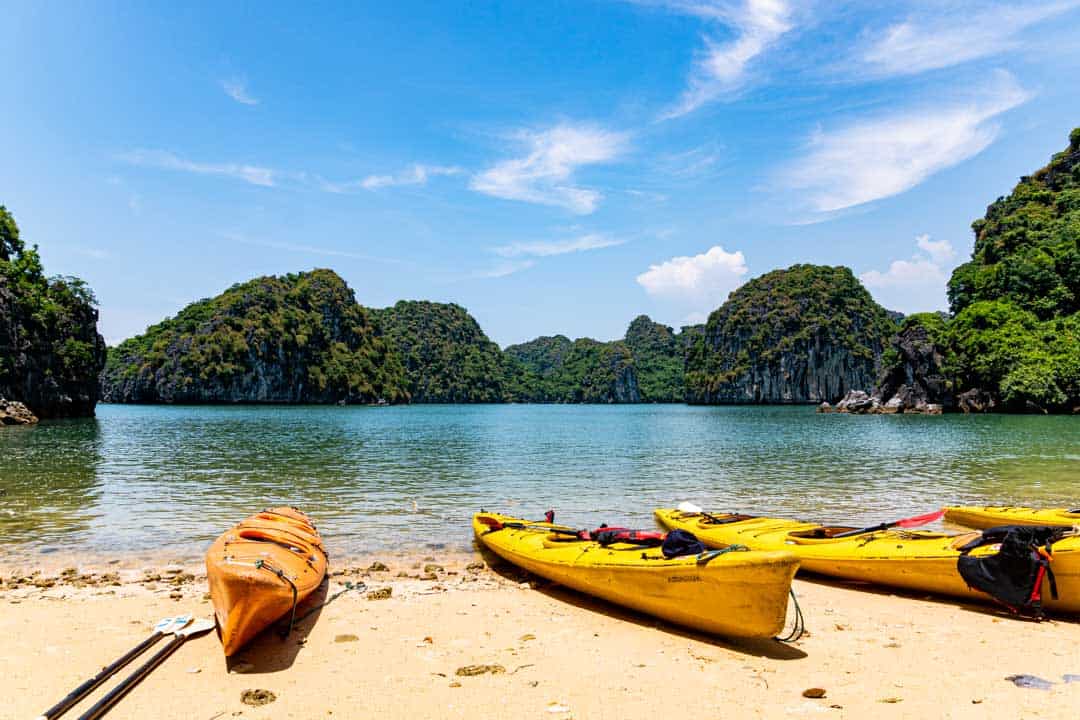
x: 490, y: 522
x: 198, y: 627
x: 689, y: 508
x: 178, y: 623
x: 164, y: 624
x: 919, y: 519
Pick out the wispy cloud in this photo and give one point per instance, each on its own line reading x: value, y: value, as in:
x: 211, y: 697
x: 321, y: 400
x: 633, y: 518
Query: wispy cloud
x: 168, y: 161
x: 695, y: 163
x: 592, y: 241
x: 414, y: 175
x: 916, y: 284
x: 874, y: 158
x: 503, y: 269
x: 544, y: 174
x: 237, y: 89
x: 723, y: 66
x: 304, y: 248
x: 698, y: 283
x: 967, y: 32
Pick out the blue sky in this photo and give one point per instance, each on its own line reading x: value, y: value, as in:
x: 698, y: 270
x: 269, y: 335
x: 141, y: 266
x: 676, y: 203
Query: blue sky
x: 555, y: 167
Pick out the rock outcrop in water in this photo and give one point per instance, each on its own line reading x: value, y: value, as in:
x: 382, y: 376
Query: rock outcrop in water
x: 50, y: 349
x: 298, y: 338
x: 1013, y: 339
x: 806, y: 334
x: 1015, y: 331
x: 913, y: 376
x: 447, y: 357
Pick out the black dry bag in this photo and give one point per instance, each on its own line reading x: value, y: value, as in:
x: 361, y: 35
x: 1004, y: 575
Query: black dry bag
x: 1015, y: 574
x: 679, y: 543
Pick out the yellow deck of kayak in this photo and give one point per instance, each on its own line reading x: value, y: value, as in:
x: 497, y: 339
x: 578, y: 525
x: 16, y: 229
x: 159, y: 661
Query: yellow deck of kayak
x: 994, y: 515
x: 736, y: 594
x: 915, y: 560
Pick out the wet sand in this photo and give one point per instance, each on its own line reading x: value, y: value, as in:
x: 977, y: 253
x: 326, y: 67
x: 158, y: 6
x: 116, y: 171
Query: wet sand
x: 555, y: 654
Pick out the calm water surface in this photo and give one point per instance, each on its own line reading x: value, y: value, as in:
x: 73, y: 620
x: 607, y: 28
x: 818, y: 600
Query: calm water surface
x: 146, y: 479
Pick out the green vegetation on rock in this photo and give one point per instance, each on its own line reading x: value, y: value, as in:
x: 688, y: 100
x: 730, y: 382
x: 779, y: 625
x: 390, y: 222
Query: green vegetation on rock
x: 1016, y: 327
x: 50, y: 350
x: 805, y: 334
x: 659, y: 358
x: 295, y: 338
x: 580, y: 371
x: 447, y: 357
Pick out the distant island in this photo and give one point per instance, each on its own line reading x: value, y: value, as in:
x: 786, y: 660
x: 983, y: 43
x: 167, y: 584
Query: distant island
x: 804, y: 334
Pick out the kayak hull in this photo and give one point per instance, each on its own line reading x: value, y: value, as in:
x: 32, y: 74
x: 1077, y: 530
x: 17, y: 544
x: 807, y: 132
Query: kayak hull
x: 737, y: 594
x: 259, y: 570
x: 912, y: 560
x: 994, y: 515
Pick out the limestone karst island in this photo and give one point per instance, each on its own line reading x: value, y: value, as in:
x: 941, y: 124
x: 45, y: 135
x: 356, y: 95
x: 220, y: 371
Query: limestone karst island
x: 540, y: 360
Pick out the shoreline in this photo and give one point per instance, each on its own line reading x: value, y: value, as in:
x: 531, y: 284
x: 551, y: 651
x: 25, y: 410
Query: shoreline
x: 562, y: 654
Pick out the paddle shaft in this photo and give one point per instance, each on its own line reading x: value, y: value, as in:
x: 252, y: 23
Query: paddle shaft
x: 107, y: 672
x: 117, y: 694
x: 906, y: 522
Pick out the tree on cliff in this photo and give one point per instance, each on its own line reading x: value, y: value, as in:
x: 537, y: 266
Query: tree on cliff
x: 50, y: 350
x: 447, y: 357
x: 1016, y: 330
x: 557, y: 369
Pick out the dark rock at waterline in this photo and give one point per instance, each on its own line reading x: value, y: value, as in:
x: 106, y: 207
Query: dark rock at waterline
x: 976, y: 401
x: 857, y: 402
x: 912, y: 378
x: 15, y: 413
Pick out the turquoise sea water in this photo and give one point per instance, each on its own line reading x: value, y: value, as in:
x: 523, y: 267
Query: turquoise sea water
x: 139, y: 479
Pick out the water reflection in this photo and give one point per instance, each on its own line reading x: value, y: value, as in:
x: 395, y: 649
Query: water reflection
x: 153, y: 478
x: 49, y: 489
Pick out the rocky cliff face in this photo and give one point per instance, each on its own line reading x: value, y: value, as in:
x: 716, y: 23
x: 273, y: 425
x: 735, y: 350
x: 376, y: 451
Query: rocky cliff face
x: 50, y: 349
x: 913, y: 376
x: 299, y: 338
x: 806, y: 334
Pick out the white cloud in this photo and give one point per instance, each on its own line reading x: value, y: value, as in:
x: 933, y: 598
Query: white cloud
x: 545, y: 174
x: 236, y: 88
x: 915, y: 285
x: 703, y: 281
x: 875, y: 158
x: 940, y: 251
x: 168, y: 161
x: 592, y: 241
x: 943, y: 40
x: 722, y: 66
x: 414, y: 175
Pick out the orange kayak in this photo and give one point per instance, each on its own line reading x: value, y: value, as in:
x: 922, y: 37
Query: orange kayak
x: 260, y: 570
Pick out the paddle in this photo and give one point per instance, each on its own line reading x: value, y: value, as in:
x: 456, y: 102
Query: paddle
x: 690, y: 508
x: 165, y: 626
x: 618, y: 534
x: 117, y: 693
x: 905, y: 523
x: 498, y: 525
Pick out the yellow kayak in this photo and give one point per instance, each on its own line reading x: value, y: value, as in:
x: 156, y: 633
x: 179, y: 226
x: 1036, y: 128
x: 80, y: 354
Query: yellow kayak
x: 992, y: 516
x: 915, y: 560
x: 736, y: 594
